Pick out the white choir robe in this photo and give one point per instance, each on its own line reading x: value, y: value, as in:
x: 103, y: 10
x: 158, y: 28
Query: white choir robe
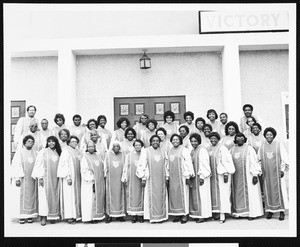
x: 127, y: 146
x: 24, y: 198
x: 22, y: 126
x: 117, y: 135
x: 87, y: 137
x: 139, y: 129
x: 227, y: 141
x: 106, y: 135
x: 179, y: 167
x: 222, y: 130
x: 166, y: 145
x: 56, y: 129
x: 45, y: 134
x: 204, y: 172
x: 221, y: 163
x: 143, y: 172
x: 215, y: 126
x: 69, y: 168
x: 255, y: 141
x: 187, y: 144
x: 171, y: 128
x: 147, y: 134
x: 205, y: 142
x: 191, y: 127
x: 78, y: 131
x: 48, y: 196
x: 246, y: 197
x: 268, y: 152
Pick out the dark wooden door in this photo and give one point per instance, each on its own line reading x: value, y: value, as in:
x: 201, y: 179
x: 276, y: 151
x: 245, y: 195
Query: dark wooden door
x: 17, y: 110
x: 133, y: 107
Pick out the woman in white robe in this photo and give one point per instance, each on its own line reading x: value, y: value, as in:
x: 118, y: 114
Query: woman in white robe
x: 127, y: 143
x: 246, y: 192
x: 180, y: 170
x: 165, y: 143
x: 212, y: 117
x: 118, y: 135
x: 45, y: 170
x: 149, y: 132
x: 59, y: 120
x: 184, y: 132
x: 205, y: 142
x: 222, y: 168
x: 69, y: 171
x: 24, y: 188
x: 170, y: 126
x: 200, y: 195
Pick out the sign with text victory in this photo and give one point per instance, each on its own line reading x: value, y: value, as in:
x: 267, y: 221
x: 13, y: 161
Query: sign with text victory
x: 257, y: 21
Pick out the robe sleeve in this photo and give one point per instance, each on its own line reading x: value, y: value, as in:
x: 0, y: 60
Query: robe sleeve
x: 16, y: 166
x: 225, y: 164
x: 124, y: 177
x: 113, y: 138
x: 18, y: 131
x: 86, y: 174
x: 39, y: 165
x: 204, y: 166
x: 254, y: 165
x: 188, y: 169
x: 142, y: 170
x: 284, y: 158
x: 105, y: 163
x: 64, y: 165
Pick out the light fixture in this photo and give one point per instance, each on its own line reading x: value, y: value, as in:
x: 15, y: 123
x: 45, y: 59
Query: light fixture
x: 145, y: 61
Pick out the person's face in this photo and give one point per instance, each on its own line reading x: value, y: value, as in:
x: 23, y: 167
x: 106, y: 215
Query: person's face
x: 250, y: 121
x: 151, y: 126
x: 231, y: 130
x: 169, y: 119
x: 116, y: 148
x: 77, y: 121
x: 44, y: 124
x: 161, y: 135
x: 59, y: 122
x: 33, y: 128
x: 123, y: 125
x: 206, y: 131
x: 188, y: 119
x: 102, y: 122
x: 269, y: 136
x: 94, y: 136
x: 255, y: 130
x: 247, y: 111
x: 31, y: 112
x: 240, y: 140
x: 92, y: 125
x: 73, y: 143
x: 29, y: 144
x: 214, y: 140
x: 199, y: 125
x: 155, y: 142
x: 175, y: 141
x: 63, y: 136
x: 211, y: 116
x: 91, y: 148
x: 138, y: 147
x: 51, y: 144
x: 130, y: 136
x: 144, y: 120
x: 182, y: 132
x: 194, y: 142
x: 223, y: 119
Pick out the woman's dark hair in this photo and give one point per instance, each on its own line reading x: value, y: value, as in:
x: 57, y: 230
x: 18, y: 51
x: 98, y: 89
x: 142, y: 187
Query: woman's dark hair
x: 212, y: 111
x: 26, y: 138
x: 161, y: 129
x: 207, y: 125
x: 240, y: 134
x: 180, y: 138
x: 92, y: 120
x: 139, y: 141
x: 216, y: 134
x: 185, y: 127
x: 130, y: 129
x: 151, y: 138
x: 72, y: 137
x: 152, y: 120
x: 188, y: 113
x: 65, y: 130
x: 145, y: 115
x: 256, y: 124
x: 234, y: 124
x: 121, y: 120
x: 200, y: 119
x: 253, y: 118
x: 224, y: 113
x: 270, y: 129
x: 248, y: 105
x: 76, y: 116
x: 169, y: 113
x: 32, y: 107
x: 100, y: 117
x: 197, y: 137
x: 59, y: 115
x: 57, y: 145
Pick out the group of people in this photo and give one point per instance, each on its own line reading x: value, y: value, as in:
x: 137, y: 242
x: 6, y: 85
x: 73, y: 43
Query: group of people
x: 200, y: 170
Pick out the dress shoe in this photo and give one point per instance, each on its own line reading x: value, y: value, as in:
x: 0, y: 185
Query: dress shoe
x: 269, y: 215
x: 201, y: 220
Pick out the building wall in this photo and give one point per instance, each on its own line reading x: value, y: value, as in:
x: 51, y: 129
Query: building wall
x: 34, y: 79
x: 196, y: 75
x: 264, y: 76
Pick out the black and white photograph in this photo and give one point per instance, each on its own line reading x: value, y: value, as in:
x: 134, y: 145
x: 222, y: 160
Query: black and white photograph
x: 150, y: 121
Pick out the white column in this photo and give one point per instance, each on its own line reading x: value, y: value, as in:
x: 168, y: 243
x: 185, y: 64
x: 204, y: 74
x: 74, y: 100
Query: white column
x: 67, y: 84
x: 231, y: 82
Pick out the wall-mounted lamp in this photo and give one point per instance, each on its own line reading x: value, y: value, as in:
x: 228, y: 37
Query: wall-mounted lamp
x: 145, y: 61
